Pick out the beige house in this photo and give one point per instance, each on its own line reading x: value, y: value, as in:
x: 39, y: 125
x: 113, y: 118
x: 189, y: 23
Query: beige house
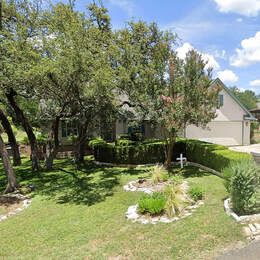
x: 231, y: 126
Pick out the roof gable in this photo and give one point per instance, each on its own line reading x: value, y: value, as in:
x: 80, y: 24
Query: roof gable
x: 248, y: 115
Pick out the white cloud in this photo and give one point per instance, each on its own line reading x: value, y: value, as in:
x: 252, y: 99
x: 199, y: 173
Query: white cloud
x: 243, y: 7
x: 255, y: 83
x: 249, y: 53
x: 186, y: 47
x: 227, y: 76
x: 239, y: 20
x: 126, y: 5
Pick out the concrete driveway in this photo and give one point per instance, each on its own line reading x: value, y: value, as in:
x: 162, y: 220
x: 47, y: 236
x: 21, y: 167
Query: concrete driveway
x: 253, y: 148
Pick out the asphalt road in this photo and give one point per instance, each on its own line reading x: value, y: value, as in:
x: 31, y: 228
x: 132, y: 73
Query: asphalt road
x: 250, y: 252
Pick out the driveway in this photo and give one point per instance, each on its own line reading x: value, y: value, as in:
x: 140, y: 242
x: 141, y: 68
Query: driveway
x: 255, y: 148
x: 250, y: 252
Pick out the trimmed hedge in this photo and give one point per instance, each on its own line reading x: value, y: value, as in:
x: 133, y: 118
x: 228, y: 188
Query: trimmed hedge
x: 213, y: 156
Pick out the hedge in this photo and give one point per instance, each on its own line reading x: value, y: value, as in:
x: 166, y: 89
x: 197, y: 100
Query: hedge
x: 213, y: 156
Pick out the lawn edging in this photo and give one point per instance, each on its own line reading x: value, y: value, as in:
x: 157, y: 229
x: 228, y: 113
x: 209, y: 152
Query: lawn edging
x: 26, y: 202
x: 242, y: 219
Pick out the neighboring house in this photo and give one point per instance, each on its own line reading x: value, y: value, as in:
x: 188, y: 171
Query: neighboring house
x: 230, y: 127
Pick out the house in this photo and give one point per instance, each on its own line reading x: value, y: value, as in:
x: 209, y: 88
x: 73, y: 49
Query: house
x: 231, y: 126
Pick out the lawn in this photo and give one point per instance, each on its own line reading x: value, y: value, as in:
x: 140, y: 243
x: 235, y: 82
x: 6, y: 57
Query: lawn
x: 81, y: 215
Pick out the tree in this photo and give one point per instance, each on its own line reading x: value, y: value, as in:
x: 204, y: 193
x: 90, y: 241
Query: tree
x: 12, y: 184
x: 18, y: 58
x: 188, y: 98
x: 247, y: 97
x: 169, y: 92
x: 74, y: 75
x: 11, y: 138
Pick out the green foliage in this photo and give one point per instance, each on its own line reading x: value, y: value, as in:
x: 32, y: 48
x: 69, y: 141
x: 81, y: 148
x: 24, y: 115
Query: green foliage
x: 159, y: 174
x: 247, y: 98
x: 227, y: 174
x: 152, y: 151
x: 196, y: 193
x: 41, y: 139
x: 124, y: 136
x: 214, y: 156
x: 124, y: 142
x: 25, y: 140
x: 244, y: 182
x: 152, y: 204
x: 175, y: 199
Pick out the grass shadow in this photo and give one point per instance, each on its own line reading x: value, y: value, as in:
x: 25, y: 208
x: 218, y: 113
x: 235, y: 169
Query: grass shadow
x: 66, y: 184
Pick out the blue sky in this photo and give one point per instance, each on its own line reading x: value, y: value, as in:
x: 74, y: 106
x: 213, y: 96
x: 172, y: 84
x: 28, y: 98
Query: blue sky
x: 226, y: 32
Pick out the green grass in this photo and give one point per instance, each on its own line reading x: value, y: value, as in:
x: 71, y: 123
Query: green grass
x: 81, y: 215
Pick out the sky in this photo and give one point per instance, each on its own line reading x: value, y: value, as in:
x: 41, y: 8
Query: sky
x: 225, y: 32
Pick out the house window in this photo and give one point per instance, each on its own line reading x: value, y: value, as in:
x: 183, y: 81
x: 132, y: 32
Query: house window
x: 220, y: 100
x: 68, y: 129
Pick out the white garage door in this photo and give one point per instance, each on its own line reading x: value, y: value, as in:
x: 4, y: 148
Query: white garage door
x: 224, y: 133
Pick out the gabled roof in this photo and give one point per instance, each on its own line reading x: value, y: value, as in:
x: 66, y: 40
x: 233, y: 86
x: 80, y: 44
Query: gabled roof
x: 248, y: 115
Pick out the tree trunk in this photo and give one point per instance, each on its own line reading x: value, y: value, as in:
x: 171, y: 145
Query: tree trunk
x: 79, y: 150
x: 169, y: 152
x: 12, y: 184
x: 27, y: 128
x: 11, y: 138
x: 52, y: 144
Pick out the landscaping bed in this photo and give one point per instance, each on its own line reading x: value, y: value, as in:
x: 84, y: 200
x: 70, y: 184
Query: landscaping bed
x: 82, y: 215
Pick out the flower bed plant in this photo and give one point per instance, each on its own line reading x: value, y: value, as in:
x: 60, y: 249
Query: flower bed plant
x: 242, y: 180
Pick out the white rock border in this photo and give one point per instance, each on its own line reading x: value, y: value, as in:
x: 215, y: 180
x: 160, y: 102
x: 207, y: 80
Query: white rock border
x: 252, y: 229
x: 148, y: 190
x: 242, y: 219
x: 26, y: 202
x: 132, y: 214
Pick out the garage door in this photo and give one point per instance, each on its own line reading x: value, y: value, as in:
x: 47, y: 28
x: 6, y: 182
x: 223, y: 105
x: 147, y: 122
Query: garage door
x: 224, y: 133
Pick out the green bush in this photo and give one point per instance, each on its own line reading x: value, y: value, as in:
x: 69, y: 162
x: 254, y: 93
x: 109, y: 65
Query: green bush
x: 159, y: 174
x: 152, y: 204
x: 243, y: 186
x: 196, y: 193
x: 227, y: 174
x: 124, y: 142
x: 214, y: 156
x: 152, y: 151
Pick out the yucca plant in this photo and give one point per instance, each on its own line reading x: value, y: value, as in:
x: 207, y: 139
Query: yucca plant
x: 244, y: 182
x: 175, y: 199
x: 159, y: 174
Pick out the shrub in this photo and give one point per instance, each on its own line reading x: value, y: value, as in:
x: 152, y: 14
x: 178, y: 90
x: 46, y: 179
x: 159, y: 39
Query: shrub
x: 124, y: 136
x: 152, y: 204
x: 227, y: 174
x: 159, y: 174
x: 243, y: 186
x: 175, y: 199
x: 124, y: 142
x: 196, y: 193
x: 214, y: 156
x: 152, y: 151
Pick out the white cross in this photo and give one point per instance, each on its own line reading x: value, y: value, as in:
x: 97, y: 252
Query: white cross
x: 182, y: 159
